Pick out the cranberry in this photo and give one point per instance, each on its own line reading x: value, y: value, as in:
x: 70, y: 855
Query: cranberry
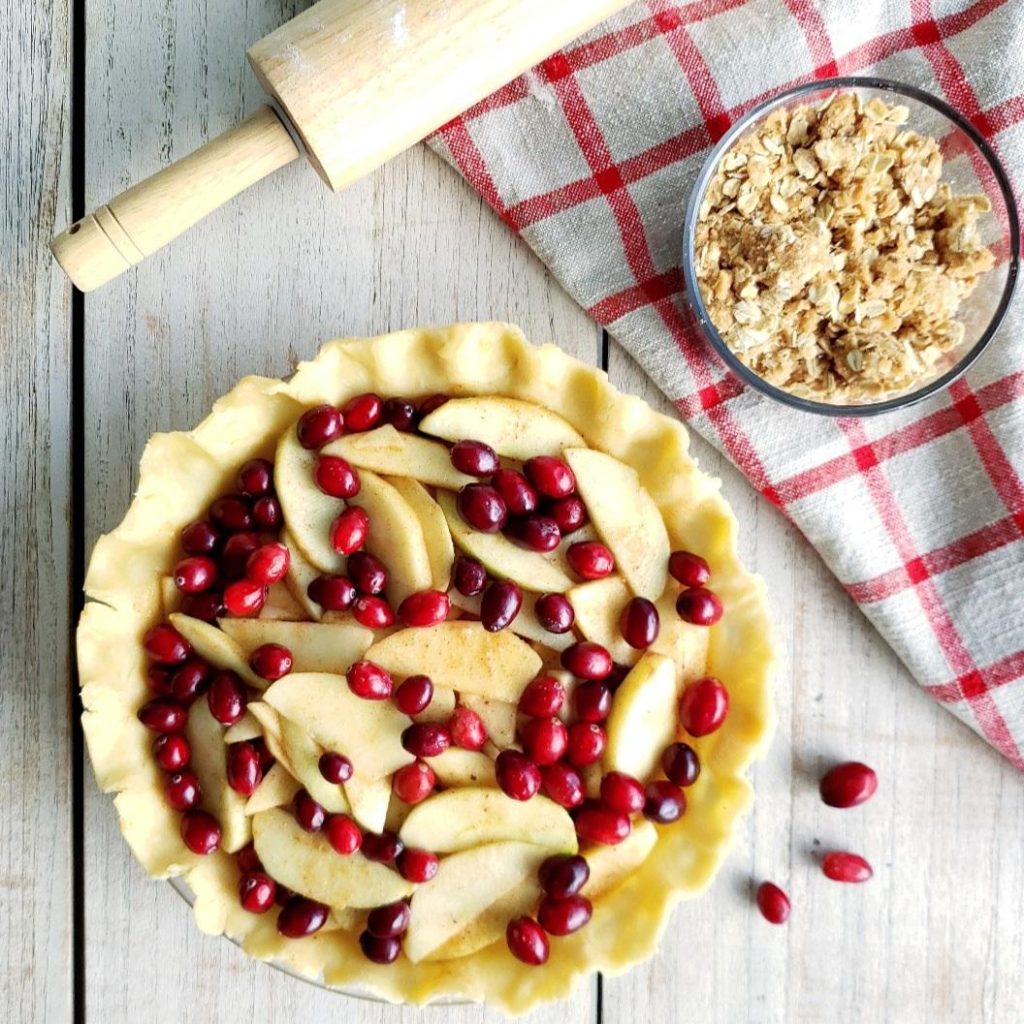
x: 536, y: 533
x: 544, y: 739
x: 389, y: 921
x: 470, y: 576
x: 586, y: 743
x: 773, y: 903
x: 417, y: 865
x: 622, y: 792
x: 165, y: 645
x: 482, y: 507
x: 195, y: 574
x: 336, y: 477
x: 369, y: 681
x: 232, y: 512
x: 200, y: 538
x: 362, y: 412
x: 308, y: 813
x: 245, y: 772
x: 570, y: 513
x: 501, y: 603
x: 587, y: 660
x: 368, y: 573
x: 332, y: 593
x: 247, y: 860
x: 226, y: 698
x: 699, y: 606
x: 343, y: 834
x: 429, y: 404
x: 849, y: 784
x: 159, y: 679
x: 350, y: 530
x: 562, y: 783
x: 319, y: 425
x: 208, y: 606
x: 300, y: 917
x: 190, y: 680
x: 414, y: 695
x: 382, y: 847
x: 200, y: 832
x: 665, y: 802
x: 592, y: 701
x: 563, y: 917
x: 399, y: 412
x: 182, y: 790
x: 639, y: 623
x: 597, y: 824
x: 845, y: 867
x: 554, y: 613
x: 268, y: 563
x: 413, y: 783
x: 564, y: 874
x: 256, y: 478
x: 520, y: 498
x: 527, y: 941
x: 474, y: 458
x: 467, y: 729
x: 234, y: 559
x: 335, y: 768
x: 425, y: 608
x: 551, y: 476
x: 171, y: 753
x: 271, y: 661
x: 543, y: 696
x: 373, y: 612
x: 162, y: 715
x: 267, y: 760
x: 266, y: 512
x: 703, y: 706
x: 426, y: 739
x: 517, y: 775
x: 689, y: 569
x: 379, y: 951
x: 256, y: 892
x: 681, y: 764
x: 590, y: 559
x: 283, y: 895
x: 245, y: 598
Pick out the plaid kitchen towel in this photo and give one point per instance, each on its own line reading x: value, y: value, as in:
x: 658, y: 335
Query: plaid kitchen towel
x: 591, y: 156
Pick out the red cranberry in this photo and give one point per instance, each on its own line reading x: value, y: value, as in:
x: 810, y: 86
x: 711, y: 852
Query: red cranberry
x: 165, y: 645
x: 232, y: 512
x: 335, y: 768
x: 319, y: 425
x: 195, y: 574
x: 501, y: 603
x: 163, y: 715
x: 527, y: 941
x: 563, y: 875
x: 414, y: 695
x: 845, y: 867
x: 622, y: 792
x: 470, y: 576
x: 226, y: 698
x: 200, y: 832
x: 639, y: 623
x: 586, y: 743
x: 271, y: 661
x: 665, y: 802
x: 417, y: 865
x: 245, y: 772
x: 372, y: 612
x: 592, y: 701
x: 334, y: 476
x: 413, y: 783
x: 543, y: 696
x: 544, y: 739
x: 247, y: 860
x: 190, y: 680
x: 350, y: 530
x: 425, y: 608
x: 362, y: 412
x: 597, y: 824
x: 171, y: 753
x: 536, y: 533
x: 429, y: 404
x: 283, y: 895
x: 482, y: 507
x: 467, y: 729
x: 590, y: 560
x: 343, y: 834
x: 587, y: 660
x: 562, y: 783
x: 268, y: 563
x: 332, y: 593
x: 308, y: 813
x: 554, y: 613
x: 382, y: 847
x: 400, y: 413
x: 256, y: 892
x: 520, y: 498
x: 235, y: 557
x: 563, y: 917
x: 256, y: 478
x: 369, y: 681
x: 570, y: 513
x: 389, y: 921
x: 551, y: 476
x: 773, y: 903
x: 200, y: 538
x: 367, y: 572
x: 681, y: 764
x: 266, y: 512
x: 848, y: 784
x: 379, y: 951
x: 182, y: 790
x: 699, y: 606
x: 703, y: 706
x: 517, y: 775
x: 159, y: 679
x: 474, y: 458
x: 208, y: 606
x: 267, y: 760
x: 245, y: 598
x: 689, y: 569
x: 300, y: 917
x: 426, y: 739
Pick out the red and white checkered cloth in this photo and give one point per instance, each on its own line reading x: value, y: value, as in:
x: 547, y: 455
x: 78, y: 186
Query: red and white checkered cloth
x: 590, y: 157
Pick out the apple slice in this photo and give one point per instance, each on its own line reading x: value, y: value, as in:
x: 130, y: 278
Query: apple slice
x: 598, y: 606
x: 643, y: 721
x: 270, y: 721
x: 277, y: 789
x: 684, y: 643
x: 170, y: 595
x: 301, y: 572
x: 465, y: 885
x: 457, y: 768
x: 369, y: 801
x: 246, y: 728
x: 205, y: 736
x: 515, y: 429
x: 398, y: 811
x: 394, y: 453
x: 461, y: 656
x: 440, y: 708
x: 305, y: 863
x: 315, y: 646
x: 303, y: 753
x: 280, y: 604
x: 591, y: 774
x: 460, y: 818
x: 612, y: 865
x: 525, y: 624
x: 440, y: 549
x: 216, y: 647
x: 369, y: 732
x: 499, y: 717
x: 625, y: 516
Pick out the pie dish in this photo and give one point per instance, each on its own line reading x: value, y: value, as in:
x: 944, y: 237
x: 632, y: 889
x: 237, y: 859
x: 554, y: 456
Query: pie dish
x: 460, y: 505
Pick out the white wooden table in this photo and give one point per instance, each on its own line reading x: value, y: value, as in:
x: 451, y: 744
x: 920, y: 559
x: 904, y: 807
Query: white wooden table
x: 938, y: 935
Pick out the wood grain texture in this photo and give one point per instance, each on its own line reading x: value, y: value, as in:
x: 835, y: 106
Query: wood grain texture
x: 35, y: 595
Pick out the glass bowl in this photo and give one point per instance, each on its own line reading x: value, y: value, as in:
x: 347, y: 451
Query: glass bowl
x: 970, y: 167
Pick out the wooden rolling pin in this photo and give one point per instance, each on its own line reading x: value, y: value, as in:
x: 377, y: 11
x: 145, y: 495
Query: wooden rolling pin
x: 357, y: 81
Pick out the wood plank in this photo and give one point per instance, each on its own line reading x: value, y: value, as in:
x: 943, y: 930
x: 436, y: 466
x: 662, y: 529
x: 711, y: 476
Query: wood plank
x: 35, y: 338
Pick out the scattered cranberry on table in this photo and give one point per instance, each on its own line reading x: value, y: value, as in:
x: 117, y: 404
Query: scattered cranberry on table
x: 773, y: 903
x: 845, y: 867
x: 848, y: 784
